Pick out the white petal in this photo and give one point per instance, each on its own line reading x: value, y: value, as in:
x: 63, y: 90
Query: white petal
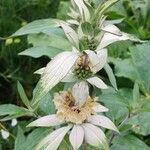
x: 94, y: 60
x: 70, y: 33
x: 83, y: 9
x: 112, y: 29
x: 54, y: 72
x: 5, y: 134
x: 14, y: 122
x: 112, y: 34
x: 103, y: 121
x: 40, y: 71
x: 46, y: 121
x: 100, y: 108
x: 53, y: 140
x: 80, y: 92
x: 98, y: 59
x: 76, y: 136
x: 102, y: 55
x: 97, y: 82
x: 94, y: 135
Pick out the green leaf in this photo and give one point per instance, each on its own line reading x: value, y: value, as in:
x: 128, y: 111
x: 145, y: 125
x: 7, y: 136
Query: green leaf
x: 43, y: 40
x: 111, y: 76
x: 46, y: 105
x: 9, y: 111
x: 23, y: 96
x: 20, y: 140
x: 86, y: 28
x: 37, y: 26
x: 125, y: 68
x: 128, y: 142
x: 35, y: 137
x: 140, y: 123
x: 103, y: 7
x: 39, y: 51
x: 113, y: 101
x: 136, y: 94
x: 141, y: 60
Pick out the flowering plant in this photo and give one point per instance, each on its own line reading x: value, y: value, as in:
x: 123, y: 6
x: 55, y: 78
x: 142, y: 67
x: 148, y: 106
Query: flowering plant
x: 78, y: 51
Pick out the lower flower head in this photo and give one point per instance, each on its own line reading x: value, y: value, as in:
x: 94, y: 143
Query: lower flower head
x: 68, y: 111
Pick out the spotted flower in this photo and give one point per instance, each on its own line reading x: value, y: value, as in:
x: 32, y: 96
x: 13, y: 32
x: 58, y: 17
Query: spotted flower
x: 79, y: 115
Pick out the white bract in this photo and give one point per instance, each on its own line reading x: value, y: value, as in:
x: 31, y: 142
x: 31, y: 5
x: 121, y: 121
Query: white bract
x: 79, y: 115
x: 62, y: 66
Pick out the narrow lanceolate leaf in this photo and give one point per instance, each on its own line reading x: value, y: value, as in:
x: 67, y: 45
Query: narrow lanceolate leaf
x: 20, y: 140
x: 70, y: 33
x: 94, y: 136
x: 80, y: 92
x: 111, y: 76
x: 46, y: 121
x: 103, y: 122
x: 83, y: 9
x: 23, y: 96
x: 9, y: 112
x: 54, y: 72
x: 102, y: 8
x: 76, y: 136
x: 39, y: 51
x: 37, y: 26
x: 53, y: 140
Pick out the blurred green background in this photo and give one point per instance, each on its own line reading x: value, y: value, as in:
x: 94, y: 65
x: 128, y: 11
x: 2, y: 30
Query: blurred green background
x: 13, y: 15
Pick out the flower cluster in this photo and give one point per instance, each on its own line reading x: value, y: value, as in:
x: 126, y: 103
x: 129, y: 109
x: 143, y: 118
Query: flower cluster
x: 78, y: 113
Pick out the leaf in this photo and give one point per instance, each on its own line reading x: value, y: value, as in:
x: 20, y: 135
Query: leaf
x: 111, y: 76
x: 46, y: 105
x: 113, y: 101
x: 42, y: 25
x: 35, y: 137
x: 53, y: 140
x: 39, y: 51
x: 86, y: 28
x: 43, y: 40
x: 140, y: 123
x: 141, y: 60
x: 125, y: 68
x: 9, y: 111
x: 83, y: 9
x: 70, y: 34
x: 103, y: 7
x: 54, y: 72
x: 136, y: 94
x: 20, y: 140
x: 128, y: 142
x: 23, y: 96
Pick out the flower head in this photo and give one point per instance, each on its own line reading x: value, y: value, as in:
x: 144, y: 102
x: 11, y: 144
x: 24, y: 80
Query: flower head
x: 79, y: 114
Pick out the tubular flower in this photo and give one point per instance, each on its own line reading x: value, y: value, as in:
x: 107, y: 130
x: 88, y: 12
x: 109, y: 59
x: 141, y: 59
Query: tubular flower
x: 78, y: 113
